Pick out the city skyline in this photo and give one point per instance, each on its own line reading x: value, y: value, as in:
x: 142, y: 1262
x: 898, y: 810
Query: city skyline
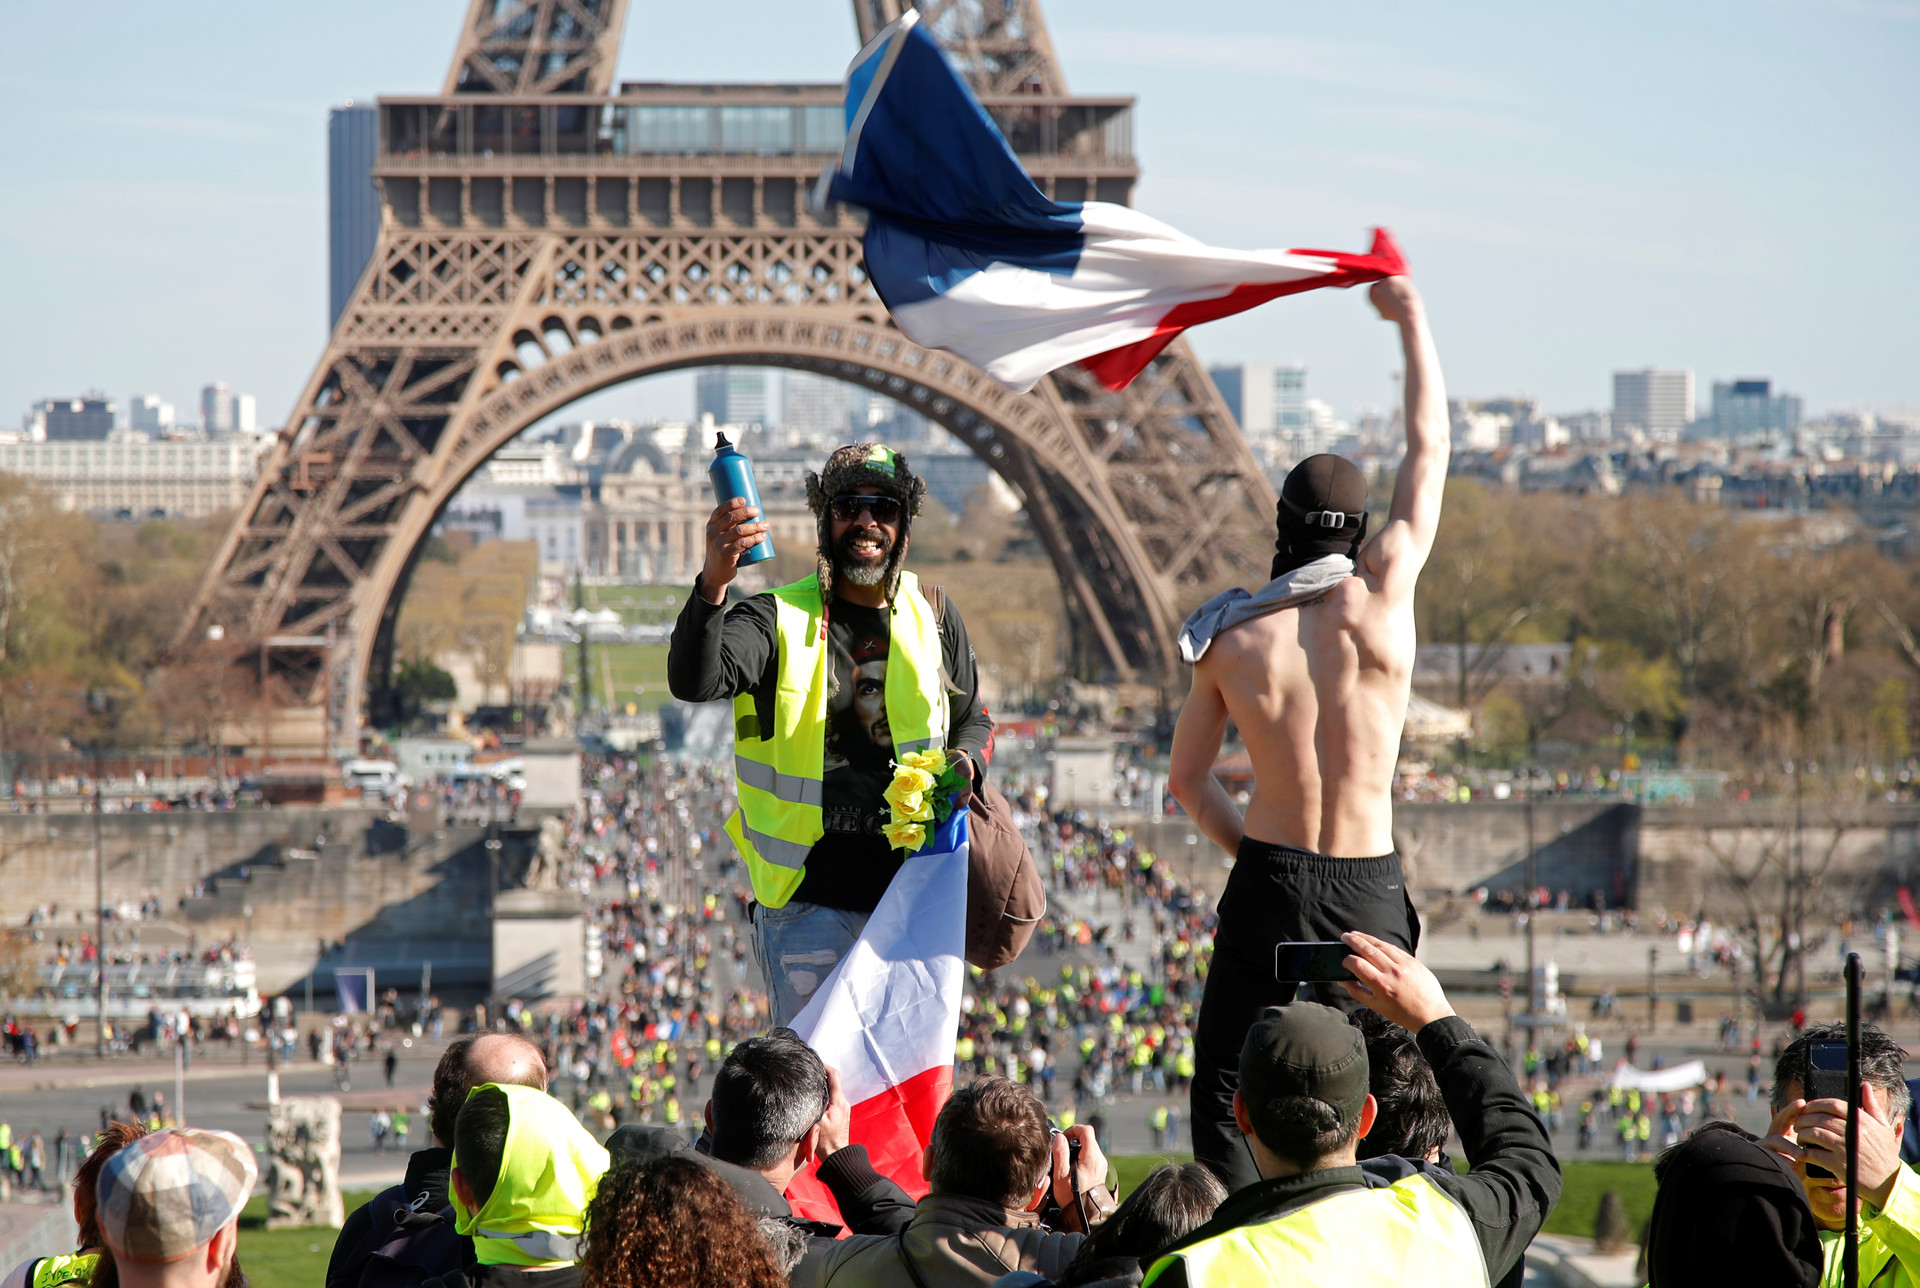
x: 1606, y: 200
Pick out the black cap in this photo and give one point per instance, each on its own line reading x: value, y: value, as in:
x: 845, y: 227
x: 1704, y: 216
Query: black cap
x: 1305, y: 1049
x: 1728, y: 1211
x: 1322, y: 511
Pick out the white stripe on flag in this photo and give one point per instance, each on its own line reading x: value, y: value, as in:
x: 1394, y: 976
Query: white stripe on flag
x: 890, y: 1010
x: 1017, y: 323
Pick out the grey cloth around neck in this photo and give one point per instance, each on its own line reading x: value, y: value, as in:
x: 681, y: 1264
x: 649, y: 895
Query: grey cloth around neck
x: 1229, y: 609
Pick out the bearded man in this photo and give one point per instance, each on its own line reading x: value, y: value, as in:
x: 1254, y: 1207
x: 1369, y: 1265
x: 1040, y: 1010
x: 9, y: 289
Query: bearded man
x: 833, y: 678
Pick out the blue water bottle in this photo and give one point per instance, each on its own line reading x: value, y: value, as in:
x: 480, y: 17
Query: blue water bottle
x: 732, y: 475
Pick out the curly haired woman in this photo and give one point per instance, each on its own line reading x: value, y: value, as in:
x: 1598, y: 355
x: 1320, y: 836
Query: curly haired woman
x: 672, y: 1221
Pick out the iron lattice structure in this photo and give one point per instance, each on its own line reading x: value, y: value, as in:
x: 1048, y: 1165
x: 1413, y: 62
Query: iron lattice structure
x: 545, y: 236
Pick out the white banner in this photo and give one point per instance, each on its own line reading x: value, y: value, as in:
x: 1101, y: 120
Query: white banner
x: 1680, y: 1077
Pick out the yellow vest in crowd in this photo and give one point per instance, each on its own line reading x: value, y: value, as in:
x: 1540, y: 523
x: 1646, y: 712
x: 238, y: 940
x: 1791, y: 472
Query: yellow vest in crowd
x: 780, y: 772
x: 1411, y: 1232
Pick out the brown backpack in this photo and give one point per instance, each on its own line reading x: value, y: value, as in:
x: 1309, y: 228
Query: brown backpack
x: 1005, y: 896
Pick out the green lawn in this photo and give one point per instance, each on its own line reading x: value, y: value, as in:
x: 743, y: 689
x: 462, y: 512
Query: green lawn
x: 640, y: 605
x: 286, y: 1258
x: 620, y: 669
x: 1586, y: 1182
x: 298, y: 1258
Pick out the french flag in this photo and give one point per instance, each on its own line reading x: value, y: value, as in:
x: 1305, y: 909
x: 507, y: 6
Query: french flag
x: 971, y: 257
x: 888, y: 1014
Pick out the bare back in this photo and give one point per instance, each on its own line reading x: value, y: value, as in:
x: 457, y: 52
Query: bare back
x: 1319, y: 695
x: 1319, y: 691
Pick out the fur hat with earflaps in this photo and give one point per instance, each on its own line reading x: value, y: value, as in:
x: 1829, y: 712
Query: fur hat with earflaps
x: 850, y: 468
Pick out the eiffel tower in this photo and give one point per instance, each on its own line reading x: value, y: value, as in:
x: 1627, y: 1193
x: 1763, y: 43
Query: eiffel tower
x: 546, y: 234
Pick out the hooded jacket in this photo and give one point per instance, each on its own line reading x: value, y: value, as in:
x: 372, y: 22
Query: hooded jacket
x: 549, y: 1170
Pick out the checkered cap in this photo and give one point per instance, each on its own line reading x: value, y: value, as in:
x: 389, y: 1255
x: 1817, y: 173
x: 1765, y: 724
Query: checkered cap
x: 169, y: 1192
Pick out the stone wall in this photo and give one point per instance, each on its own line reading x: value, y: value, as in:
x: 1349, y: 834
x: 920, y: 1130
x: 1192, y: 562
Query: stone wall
x: 1660, y: 856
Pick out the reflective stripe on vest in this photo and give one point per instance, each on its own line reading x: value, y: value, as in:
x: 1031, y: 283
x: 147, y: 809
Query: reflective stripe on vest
x: 779, y: 773
x: 1410, y: 1232
x: 542, y: 1245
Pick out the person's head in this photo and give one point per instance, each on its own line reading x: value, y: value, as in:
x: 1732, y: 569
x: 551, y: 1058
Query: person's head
x: 1412, y: 1121
x: 116, y: 1137
x: 1886, y: 1094
x: 167, y: 1206
x: 1322, y: 511
x: 524, y: 1170
x: 864, y: 499
x: 769, y: 1095
x: 992, y: 1142
x: 1175, y: 1200
x: 504, y: 1058
x: 1727, y: 1211
x: 1303, y: 1100
x: 672, y: 1221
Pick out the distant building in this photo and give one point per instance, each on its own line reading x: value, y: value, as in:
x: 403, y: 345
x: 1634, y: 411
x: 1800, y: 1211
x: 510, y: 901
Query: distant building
x: 551, y: 517
x: 813, y: 409
x: 1290, y: 413
x: 1660, y: 403
x: 246, y: 416
x: 1248, y: 391
x: 218, y: 409
x: 139, y: 479
x: 149, y: 414
x: 353, y: 204
x: 731, y: 395
x: 1746, y: 410
x: 88, y: 418
x: 951, y: 476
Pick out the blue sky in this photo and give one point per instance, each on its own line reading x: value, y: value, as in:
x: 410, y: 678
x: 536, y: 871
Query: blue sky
x: 1730, y: 185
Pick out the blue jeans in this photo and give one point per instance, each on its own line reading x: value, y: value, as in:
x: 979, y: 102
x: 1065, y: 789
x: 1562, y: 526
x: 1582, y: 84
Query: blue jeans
x: 797, y: 947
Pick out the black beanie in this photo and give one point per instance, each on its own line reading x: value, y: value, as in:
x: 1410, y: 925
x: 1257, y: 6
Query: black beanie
x: 1322, y: 511
x: 1728, y: 1211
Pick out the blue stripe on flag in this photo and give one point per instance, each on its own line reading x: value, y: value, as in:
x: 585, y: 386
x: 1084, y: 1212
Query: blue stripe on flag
x: 946, y: 196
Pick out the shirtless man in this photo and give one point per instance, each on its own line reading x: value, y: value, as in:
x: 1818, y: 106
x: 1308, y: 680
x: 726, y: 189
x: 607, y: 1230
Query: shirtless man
x: 1314, y: 670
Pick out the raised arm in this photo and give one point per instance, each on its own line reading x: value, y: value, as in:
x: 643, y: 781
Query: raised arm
x: 1196, y: 745
x: 1394, y: 558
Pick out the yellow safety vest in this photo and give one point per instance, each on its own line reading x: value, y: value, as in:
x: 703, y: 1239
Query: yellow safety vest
x: 779, y: 773
x: 1413, y: 1233
x: 68, y: 1268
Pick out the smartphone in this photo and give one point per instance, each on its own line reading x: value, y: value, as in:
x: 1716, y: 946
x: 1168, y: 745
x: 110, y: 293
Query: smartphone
x: 1311, y: 963
x: 1827, y: 1071
x: 1826, y: 1080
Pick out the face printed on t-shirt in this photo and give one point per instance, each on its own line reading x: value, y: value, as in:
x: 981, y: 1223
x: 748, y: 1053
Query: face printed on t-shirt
x: 870, y: 702
x: 857, y: 713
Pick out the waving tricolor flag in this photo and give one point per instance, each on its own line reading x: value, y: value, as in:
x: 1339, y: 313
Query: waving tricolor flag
x: 970, y: 256
x: 888, y: 1015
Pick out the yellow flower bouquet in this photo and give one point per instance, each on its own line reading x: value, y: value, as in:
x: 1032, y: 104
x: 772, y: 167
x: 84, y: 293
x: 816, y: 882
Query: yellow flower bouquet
x: 920, y: 796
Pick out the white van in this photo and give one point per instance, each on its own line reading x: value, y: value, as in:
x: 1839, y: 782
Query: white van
x: 381, y: 778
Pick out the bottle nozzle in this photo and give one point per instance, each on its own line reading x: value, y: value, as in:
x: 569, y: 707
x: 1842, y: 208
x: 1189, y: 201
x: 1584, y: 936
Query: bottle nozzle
x: 720, y: 443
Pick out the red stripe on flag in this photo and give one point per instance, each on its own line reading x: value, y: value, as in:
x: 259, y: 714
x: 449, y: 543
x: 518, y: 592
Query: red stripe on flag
x: 1116, y: 368
x: 894, y: 1126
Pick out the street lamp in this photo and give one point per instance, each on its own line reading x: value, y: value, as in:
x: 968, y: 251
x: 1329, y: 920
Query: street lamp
x: 100, y: 706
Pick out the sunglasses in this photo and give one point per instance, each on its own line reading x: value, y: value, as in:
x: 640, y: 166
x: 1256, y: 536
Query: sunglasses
x: 884, y: 509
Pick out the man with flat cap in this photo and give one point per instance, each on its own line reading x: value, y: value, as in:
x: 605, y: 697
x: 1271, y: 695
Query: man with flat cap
x: 1317, y: 1215
x: 1314, y: 669
x: 169, y: 1207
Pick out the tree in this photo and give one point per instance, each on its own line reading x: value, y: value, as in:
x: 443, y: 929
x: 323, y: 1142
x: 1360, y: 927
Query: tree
x: 418, y: 682
x: 1778, y: 876
x: 1501, y: 565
